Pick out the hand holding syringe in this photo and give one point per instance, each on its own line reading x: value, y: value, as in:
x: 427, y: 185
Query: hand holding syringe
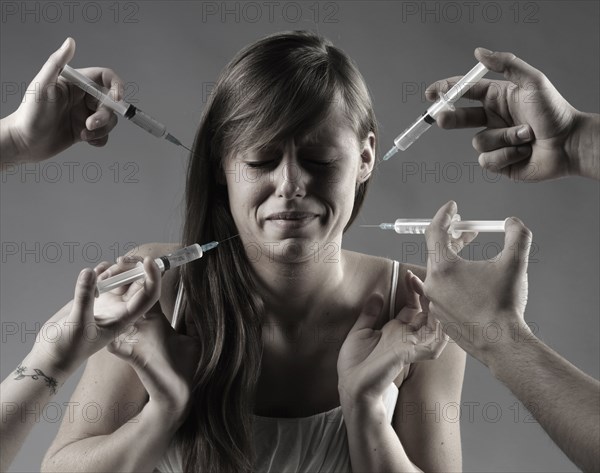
x: 122, y: 108
x: 164, y: 263
x: 445, y: 102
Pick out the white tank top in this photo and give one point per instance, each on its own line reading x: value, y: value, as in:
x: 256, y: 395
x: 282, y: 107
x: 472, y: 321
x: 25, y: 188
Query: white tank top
x: 316, y: 443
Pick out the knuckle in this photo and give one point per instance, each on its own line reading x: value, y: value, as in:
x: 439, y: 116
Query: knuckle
x: 506, y: 154
x: 509, y: 136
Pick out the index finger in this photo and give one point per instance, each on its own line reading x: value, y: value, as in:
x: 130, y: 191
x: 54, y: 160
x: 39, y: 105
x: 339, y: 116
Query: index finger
x: 143, y: 300
x: 106, y: 78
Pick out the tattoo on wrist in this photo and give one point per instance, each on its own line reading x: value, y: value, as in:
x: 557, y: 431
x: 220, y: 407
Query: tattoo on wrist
x: 50, y: 381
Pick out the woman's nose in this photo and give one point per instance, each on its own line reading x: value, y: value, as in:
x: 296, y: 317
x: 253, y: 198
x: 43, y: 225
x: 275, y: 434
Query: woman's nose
x: 290, y: 182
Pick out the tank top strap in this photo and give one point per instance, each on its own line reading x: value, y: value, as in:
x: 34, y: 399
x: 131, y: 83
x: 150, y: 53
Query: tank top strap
x: 178, y: 302
x: 394, y: 288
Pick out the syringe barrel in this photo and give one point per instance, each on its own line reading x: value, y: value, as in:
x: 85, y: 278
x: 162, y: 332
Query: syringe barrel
x: 182, y: 256
x: 98, y: 92
x: 466, y: 82
x: 439, y: 106
x: 145, y: 121
x: 419, y: 225
x: 411, y: 134
x: 121, y: 279
x: 411, y: 225
x: 422, y: 124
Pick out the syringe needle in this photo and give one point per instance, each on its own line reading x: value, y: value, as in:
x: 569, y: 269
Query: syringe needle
x: 229, y: 238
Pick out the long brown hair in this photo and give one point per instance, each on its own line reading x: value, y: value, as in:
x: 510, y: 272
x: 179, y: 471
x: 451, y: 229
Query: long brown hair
x: 280, y: 86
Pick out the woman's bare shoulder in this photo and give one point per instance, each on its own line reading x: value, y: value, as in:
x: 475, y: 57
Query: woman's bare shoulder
x: 376, y: 272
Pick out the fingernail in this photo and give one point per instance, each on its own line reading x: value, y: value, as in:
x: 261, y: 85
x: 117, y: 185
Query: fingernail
x: 85, y: 276
x: 516, y: 220
x: 484, y: 52
x: 523, y: 132
x: 95, y: 124
x: 64, y: 45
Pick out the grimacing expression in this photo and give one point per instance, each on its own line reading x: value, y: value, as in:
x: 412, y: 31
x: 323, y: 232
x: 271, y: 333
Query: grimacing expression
x: 309, y: 181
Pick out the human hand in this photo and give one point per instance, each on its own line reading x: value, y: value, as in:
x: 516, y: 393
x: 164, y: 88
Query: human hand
x: 56, y: 114
x: 164, y: 360
x: 472, y: 297
x: 369, y: 359
x: 85, y: 324
x: 530, y: 128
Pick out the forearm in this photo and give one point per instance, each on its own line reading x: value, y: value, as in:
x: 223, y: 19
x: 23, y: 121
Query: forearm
x: 25, y: 393
x: 584, y: 146
x: 136, y: 446
x: 373, y: 444
x: 563, y: 399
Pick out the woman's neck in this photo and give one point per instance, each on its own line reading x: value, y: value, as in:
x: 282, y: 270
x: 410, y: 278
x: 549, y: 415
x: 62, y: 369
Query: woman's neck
x: 293, y: 291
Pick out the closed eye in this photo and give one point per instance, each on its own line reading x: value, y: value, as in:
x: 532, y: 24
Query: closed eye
x: 259, y: 164
x: 322, y: 163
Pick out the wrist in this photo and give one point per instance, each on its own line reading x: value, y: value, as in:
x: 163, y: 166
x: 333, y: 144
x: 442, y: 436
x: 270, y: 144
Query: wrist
x: 515, y: 338
x: 359, y: 406
x: 37, y: 364
x: 167, y: 419
x: 583, y: 144
x: 42, y: 356
x: 364, y: 413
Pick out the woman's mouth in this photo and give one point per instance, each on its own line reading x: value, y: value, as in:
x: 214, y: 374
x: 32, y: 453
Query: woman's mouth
x: 291, y: 219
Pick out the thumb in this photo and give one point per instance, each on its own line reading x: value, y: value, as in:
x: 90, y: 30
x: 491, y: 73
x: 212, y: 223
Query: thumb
x: 83, y: 301
x: 369, y: 313
x: 58, y: 59
x: 514, y: 69
x: 517, y: 244
x: 439, y: 248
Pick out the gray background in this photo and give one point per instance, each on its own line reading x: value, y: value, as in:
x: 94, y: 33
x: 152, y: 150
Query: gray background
x: 169, y: 54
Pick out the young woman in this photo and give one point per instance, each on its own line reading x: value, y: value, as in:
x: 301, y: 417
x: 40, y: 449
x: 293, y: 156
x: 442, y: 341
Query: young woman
x: 274, y: 367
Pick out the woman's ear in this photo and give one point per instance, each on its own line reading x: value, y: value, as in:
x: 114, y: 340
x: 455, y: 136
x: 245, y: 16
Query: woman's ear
x: 367, y: 158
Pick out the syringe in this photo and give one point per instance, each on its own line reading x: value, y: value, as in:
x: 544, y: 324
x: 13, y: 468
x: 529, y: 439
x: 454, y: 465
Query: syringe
x: 418, y: 226
x: 132, y: 113
x: 445, y: 102
x: 164, y: 263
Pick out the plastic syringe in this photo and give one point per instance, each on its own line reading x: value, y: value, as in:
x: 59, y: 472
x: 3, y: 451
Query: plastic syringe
x: 132, y: 113
x: 164, y: 263
x: 445, y: 102
x: 418, y: 226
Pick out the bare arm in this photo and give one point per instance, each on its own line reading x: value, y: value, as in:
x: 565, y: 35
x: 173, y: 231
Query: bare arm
x: 420, y: 438
x: 113, y: 427
x: 411, y: 443
x: 562, y: 398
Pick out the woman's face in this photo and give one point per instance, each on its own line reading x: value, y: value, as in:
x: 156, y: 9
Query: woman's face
x: 295, y: 199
